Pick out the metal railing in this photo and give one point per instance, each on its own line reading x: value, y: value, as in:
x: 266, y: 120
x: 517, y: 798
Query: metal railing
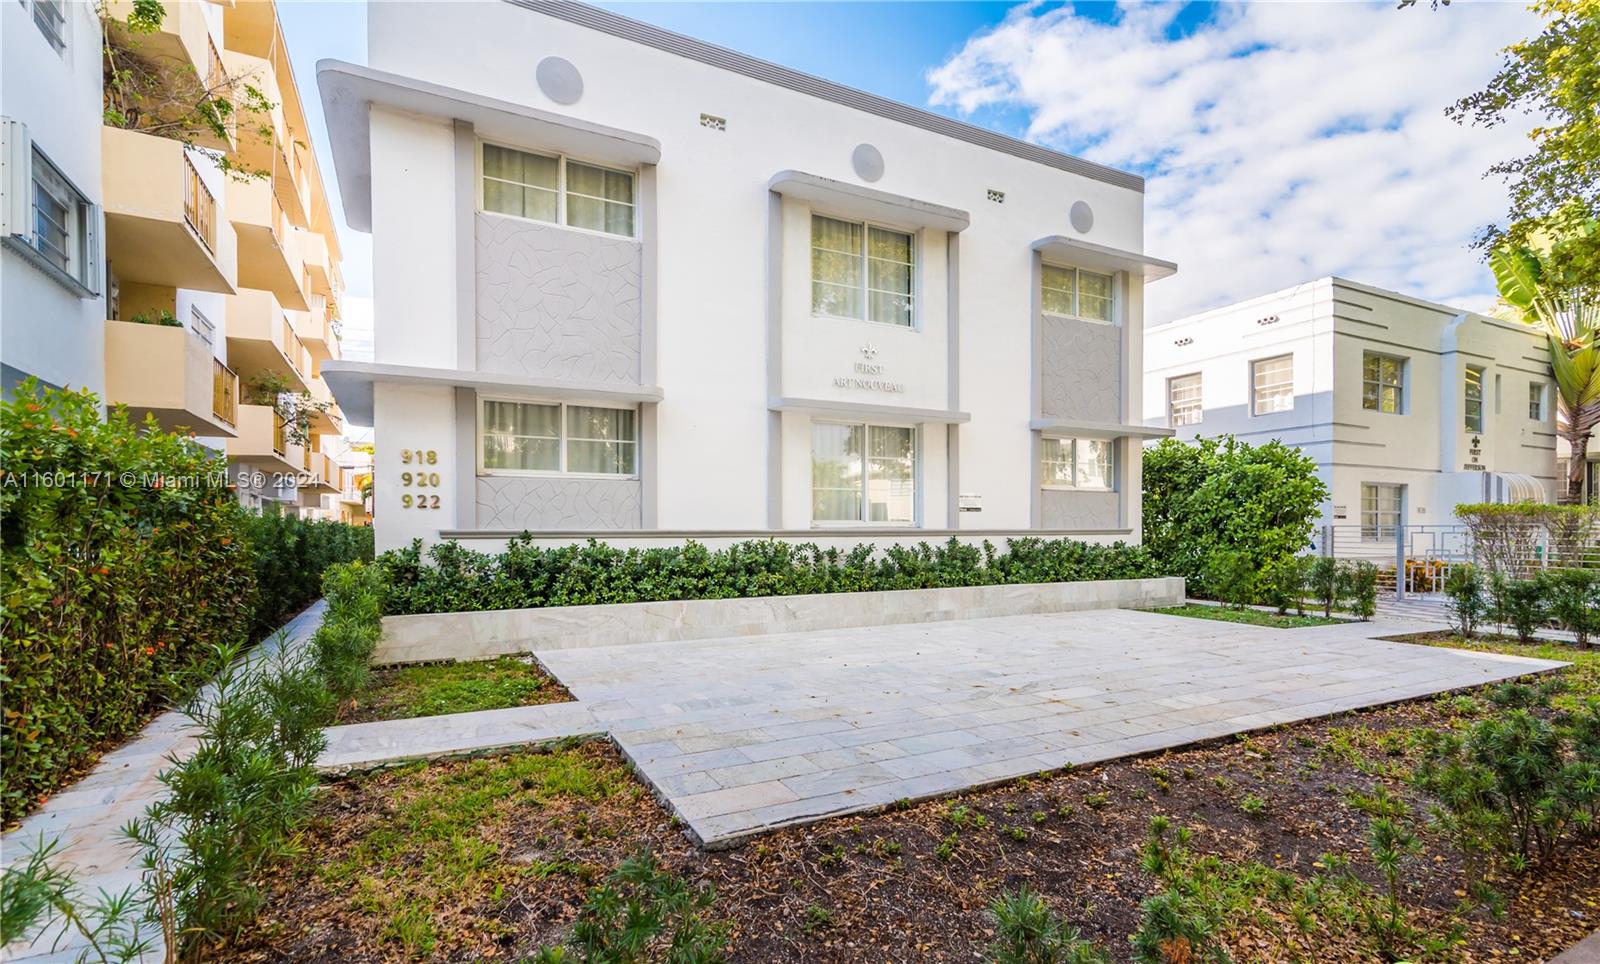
x: 224, y: 393
x: 1415, y: 560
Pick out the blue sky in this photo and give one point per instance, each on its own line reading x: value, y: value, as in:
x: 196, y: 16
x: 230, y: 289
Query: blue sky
x: 1282, y: 141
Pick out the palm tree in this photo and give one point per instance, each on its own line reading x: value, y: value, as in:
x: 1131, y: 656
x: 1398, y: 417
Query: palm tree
x: 1569, y: 313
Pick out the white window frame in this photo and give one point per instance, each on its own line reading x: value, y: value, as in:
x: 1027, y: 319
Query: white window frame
x: 865, y: 289
x: 31, y: 174
x: 1467, y: 399
x: 561, y: 189
x: 53, y: 25
x: 1255, y: 389
x: 1077, y: 294
x: 562, y: 439
x: 1536, y: 401
x: 1374, y: 531
x: 1399, y: 385
x: 1199, y: 401
x: 1070, y: 444
x: 866, y: 476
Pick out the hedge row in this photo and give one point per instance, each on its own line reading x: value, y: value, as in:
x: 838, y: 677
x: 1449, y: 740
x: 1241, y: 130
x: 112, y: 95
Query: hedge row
x: 126, y: 561
x: 449, y: 578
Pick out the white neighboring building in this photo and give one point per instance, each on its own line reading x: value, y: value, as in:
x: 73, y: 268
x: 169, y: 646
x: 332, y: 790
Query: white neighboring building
x: 1409, y: 408
x: 629, y: 283
x: 52, y: 267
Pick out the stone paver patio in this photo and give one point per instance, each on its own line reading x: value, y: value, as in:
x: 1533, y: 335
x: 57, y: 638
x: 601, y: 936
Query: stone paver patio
x: 747, y: 734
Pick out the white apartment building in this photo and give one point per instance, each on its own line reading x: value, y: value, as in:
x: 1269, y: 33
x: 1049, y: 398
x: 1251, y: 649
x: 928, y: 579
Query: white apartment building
x: 1409, y: 408
x: 629, y: 283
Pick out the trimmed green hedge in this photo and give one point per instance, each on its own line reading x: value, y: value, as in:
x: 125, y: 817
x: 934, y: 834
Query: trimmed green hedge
x: 127, y: 560
x: 449, y: 578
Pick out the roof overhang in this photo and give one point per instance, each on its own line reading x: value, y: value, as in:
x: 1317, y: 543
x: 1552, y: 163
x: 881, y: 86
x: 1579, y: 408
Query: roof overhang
x: 868, y: 203
x: 352, y: 382
x: 1085, y: 254
x: 349, y: 90
x: 1073, y: 427
x: 830, y: 408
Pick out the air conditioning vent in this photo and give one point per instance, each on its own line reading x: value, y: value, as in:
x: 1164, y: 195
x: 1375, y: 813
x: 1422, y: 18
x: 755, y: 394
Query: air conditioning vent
x: 1184, y: 342
x: 998, y: 197
x: 714, y: 122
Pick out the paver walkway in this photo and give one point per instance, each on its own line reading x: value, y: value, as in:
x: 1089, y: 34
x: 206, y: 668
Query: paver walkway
x: 86, y: 817
x: 745, y: 734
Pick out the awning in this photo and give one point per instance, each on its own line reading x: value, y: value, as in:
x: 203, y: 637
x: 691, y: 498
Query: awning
x: 1517, y: 487
x: 349, y: 89
x: 831, y: 408
x: 868, y: 203
x: 1082, y: 429
x: 352, y: 381
x: 1085, y: 254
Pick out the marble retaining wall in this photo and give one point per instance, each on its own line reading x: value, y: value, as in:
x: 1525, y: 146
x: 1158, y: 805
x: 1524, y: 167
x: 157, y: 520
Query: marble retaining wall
x: 482, y: 635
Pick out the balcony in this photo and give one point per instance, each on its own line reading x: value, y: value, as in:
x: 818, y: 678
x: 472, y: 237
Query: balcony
x: 161, y: 219
x: 269, y: 258
x: 168, y: 372
x: 261, y: 441
x: 315, y: 328
x: 324, y: 473
x: 185, y: 51
x: 326, y: 422
x: 262, y: 339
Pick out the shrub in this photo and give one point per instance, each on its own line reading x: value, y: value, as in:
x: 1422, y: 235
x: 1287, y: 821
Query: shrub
x: 450, y: 578
x: 1467, y: 603
x: 1524, y: 605
x: 1361, y: 581
x: 1027, y: 931
x: 1232, y: 577
x: 1327, y: 588
x: 1506, y: 537
x: 643, y: 913
x: 127, y: 562
x: 1221, y: 494
x: 1573, y: 599
x: 1283, y: 584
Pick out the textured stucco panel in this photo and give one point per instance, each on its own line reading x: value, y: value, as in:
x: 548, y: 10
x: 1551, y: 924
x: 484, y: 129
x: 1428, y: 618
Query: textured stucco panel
x: 1066, y: 509
x: 557, y: 303
x: 1080, y: 367
x: 522, y: 502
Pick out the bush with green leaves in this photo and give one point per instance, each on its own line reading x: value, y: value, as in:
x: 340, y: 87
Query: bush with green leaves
x: 1361, y: 588
x: 1222, y: 494
x: 1027, y: 931
x: 450, y: 578
x: 1232, y: 577
x: 290, y: 555
x: 37, y: 890
x: 644, y: 913
x: 1284, y: 583
x: 1468, y: 600
x: 1572, y: 598
x: 1523, y: 607
x: 1326, y: 583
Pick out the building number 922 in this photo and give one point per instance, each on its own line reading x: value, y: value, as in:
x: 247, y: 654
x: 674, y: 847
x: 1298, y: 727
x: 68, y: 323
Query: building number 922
x: 422, y: 477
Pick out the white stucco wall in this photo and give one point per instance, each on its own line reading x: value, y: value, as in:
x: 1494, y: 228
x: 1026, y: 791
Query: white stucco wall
x: 45, y: 329
x: 709, y: 237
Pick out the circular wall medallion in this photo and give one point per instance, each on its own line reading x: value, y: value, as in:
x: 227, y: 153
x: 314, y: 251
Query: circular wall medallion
x: 559, y: 80
x: 868, y: 162
x: 1082, y: 216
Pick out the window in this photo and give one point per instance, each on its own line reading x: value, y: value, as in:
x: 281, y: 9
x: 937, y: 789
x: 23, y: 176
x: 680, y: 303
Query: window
x: 1075, y: 293
x: 1382, y: 383
x: 558, y: 190
x: 1473, y: 408
x: 551, y: 437
x: 1272, y: 385
x: 1536, y: 401
x: 861, y: 271
x: 63, y: 224
x: 1081, y: 463
x: 1381, y: 506
x: 1183, y: 400
x: 863, y: 473
x: 51, y: 19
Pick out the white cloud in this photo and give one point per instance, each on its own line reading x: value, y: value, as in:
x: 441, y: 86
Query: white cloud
x: 1282, y: 141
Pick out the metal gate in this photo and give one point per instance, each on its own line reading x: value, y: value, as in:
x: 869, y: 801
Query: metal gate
x: 1415, y: 560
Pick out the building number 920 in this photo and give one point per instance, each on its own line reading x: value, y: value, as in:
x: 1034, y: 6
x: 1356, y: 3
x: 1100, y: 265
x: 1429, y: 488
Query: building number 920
x: 422, y: 477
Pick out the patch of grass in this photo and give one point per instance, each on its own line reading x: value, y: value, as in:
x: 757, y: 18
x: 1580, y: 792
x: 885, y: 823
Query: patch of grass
x: 1252, y: 617
x: 411, y: 691
x: 1576, y: 684
x: 438, y: 835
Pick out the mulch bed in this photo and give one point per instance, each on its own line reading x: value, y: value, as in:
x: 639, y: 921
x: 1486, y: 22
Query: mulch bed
x: 878, y: 888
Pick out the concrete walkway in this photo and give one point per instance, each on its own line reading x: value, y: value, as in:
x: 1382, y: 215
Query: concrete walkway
x: 86, y: 817
x: 741, y: 735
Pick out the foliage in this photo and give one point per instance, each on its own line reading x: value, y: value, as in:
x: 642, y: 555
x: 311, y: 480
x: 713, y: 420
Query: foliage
x: 1324, y: 581
x: 1506, y: 536
x: 450, y: 578
x: 1029, y: 932
x: 1250, y: 617
x: 161, y: 317
x: 33, y: 889
x: 291, y: 556
x: 1523, y: 607
x: 295, y: 408
x: 642, y: 913
x: 1221, y: 494
x: 1572, y: 597
x: 1283, y: 584
x: 1361, y: 581
x: 1550, y: 76
x: 1232, y: 577
x: 343, y: 644
x: 435, y: 689
x: 1467, y: 600
x: 1393, y: 842
x: 125, y: 562
x: 1177, y: 924
x: 1567, y: 309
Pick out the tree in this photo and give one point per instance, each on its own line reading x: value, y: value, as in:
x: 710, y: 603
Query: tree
x: 1555, y: 189
x: 1563, y: 301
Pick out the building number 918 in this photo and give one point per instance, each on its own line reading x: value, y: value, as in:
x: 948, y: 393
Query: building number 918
x: 419, y: 478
